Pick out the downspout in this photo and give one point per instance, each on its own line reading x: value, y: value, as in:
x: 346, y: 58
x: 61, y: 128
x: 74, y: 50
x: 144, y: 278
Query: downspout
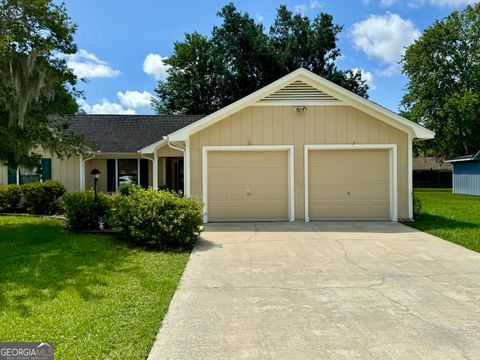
x: 142, y: 156
x: 82, y: 171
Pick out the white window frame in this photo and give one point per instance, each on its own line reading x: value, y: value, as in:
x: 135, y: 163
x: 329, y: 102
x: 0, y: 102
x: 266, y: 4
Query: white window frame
x: 392, y: 170
x: 291, y: 171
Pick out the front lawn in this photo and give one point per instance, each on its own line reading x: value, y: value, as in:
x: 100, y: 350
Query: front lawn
x: 452, y: 217
x: 92, y: 295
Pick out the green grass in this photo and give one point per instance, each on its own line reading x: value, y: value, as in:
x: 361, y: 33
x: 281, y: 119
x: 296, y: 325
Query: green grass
x: 92, y: 295
x: 452, y: 217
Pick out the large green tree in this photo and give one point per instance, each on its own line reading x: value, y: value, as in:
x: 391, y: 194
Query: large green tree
x: 443, y: 92
x: 36, y: 86
x: 195, y: 78
x: 241, y: 57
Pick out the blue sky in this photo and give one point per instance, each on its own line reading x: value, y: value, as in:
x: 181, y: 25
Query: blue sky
x: 122, y: 42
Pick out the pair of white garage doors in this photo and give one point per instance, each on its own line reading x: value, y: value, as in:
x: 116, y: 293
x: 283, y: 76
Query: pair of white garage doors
x: 261, y: 183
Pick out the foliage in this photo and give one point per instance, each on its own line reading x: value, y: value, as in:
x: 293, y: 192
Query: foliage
x: 195, y: 78
x: 83, y: 212
x: 417, y: 206
x: 42, y: 198
x: 9, y: 197
x: 208, y: 73
x: 127, y: 189
x: 158, y: 219
x: 36, y: 86
x: 443, y: 92
x: 455, y: 218
x: 89, y: 294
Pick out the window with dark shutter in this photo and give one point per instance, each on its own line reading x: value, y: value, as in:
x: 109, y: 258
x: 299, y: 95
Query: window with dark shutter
x: 46, y: 169
x: 111, y: 180
x: 144, y: 173
x: 12, y: 175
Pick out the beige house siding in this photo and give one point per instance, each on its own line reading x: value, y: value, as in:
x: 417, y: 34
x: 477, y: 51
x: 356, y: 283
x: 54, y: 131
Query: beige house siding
x: 3, y: 175
x: 65, y: 171
x: 282, y: 125
x: 167, y: 151
x: 100, y: 164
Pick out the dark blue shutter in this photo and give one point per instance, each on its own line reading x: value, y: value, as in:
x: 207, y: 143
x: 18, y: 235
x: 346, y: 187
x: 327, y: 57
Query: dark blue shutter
x: 12, y: 175
x: 144, y: 173
x: 111, y: 175
x: 46, y: 169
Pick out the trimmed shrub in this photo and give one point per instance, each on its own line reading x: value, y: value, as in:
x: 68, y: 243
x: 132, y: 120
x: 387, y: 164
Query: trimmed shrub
x: 9, y: 197
x: 127, y: 189
x: 158, y: 219
x: 83, y: 213
x: 42, y: 198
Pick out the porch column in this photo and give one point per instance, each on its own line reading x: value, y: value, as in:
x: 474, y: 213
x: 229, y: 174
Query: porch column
x: 82, y: 173
x: 155, y: 170
x: 186, y: 165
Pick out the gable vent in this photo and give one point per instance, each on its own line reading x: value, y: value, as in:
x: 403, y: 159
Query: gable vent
x: 298, y: 93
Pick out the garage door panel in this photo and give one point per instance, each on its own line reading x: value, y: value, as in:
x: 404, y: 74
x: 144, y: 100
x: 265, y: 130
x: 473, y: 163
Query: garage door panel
x: 219, y: 176
x: 330, y: 212
x: 217, y: 162
x: 270, y: 176
x: 277, y: 193
x: 254, y: 187
x: 378, y: 211
x: 219, y: 195
x: 235, y: 176
x: 349, y: 184
x: 326, y: 193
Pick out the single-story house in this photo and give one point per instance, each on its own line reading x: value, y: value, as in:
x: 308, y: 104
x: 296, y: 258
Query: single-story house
x: 431, y: 172
x: 466, y: 174
x: 299, y: 149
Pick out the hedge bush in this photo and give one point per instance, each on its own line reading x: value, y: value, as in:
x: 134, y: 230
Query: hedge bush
x: 126, y: 189
x: 9, y: 197
x: 417, y: 206
x: 158, y: 219
x: 83, y: 213
x: 42, y: 198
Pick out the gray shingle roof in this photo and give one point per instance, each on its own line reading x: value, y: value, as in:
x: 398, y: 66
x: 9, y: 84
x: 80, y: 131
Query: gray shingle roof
x: 430, y: 163
x: 127, y: 133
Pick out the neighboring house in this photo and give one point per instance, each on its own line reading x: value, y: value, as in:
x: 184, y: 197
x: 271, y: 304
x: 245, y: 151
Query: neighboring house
x: 431, y: 172
x: 301, y: 148
x: 466, y: 174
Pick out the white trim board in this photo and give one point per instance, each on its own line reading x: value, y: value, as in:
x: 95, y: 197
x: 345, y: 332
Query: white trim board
x: 291, y: 172
x: 392, y: 171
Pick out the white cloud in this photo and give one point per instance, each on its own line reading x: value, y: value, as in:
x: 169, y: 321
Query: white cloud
x: 443, y: 3
x: 303, y: 8
x: 260, y: 18
x: 134, y: 99
x: 387, y: 3
x: 154, y: 65
x: 367, y: 76
x: 88, y: 65
x: 105, y: 107
x: 384, y: 37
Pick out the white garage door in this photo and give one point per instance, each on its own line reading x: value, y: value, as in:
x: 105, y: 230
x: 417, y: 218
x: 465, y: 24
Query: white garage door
x: 247, y: 186
x: 349, y: 185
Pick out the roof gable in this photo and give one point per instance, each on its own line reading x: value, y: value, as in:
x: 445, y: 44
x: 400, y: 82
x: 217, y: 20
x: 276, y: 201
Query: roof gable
x: 298, y: 92
x: 303, y: 87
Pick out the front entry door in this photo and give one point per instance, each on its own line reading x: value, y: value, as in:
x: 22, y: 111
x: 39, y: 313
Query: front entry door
x: 174, y: 173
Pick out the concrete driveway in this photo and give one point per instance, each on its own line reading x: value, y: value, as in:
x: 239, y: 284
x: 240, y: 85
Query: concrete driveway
x: 324, y: 291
